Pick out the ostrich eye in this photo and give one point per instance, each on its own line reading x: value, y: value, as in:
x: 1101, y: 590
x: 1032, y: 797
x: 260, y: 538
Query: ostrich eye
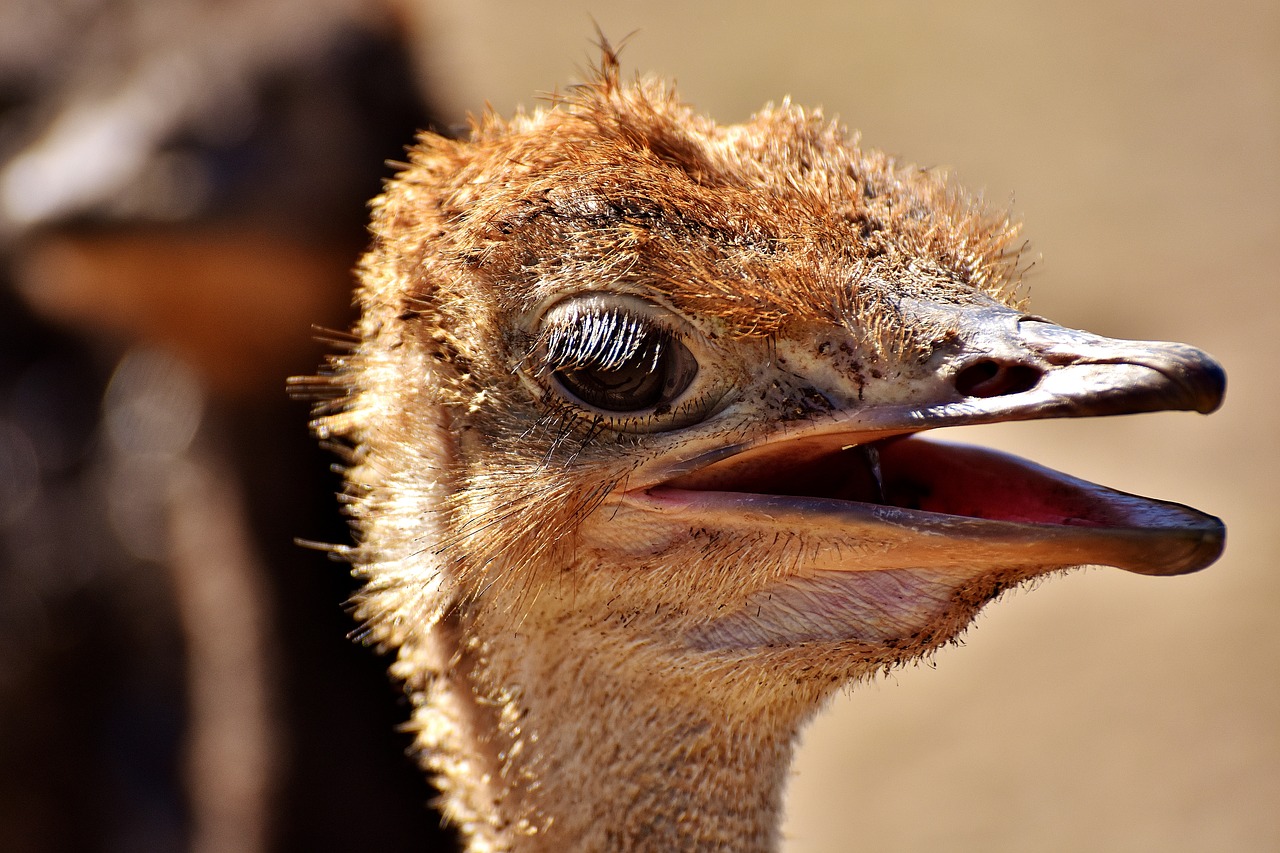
x: 615, y: 355
x: 656, y: 371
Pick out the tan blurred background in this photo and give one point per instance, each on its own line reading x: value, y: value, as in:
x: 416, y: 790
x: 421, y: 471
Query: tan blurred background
x: 1140, y: 143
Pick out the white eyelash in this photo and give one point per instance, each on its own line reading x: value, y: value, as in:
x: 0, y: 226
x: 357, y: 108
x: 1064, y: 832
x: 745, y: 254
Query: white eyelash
x: 601, y: 340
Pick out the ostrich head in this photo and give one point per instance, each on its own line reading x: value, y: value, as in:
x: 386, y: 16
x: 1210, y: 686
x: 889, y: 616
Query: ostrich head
x: 633, y: 459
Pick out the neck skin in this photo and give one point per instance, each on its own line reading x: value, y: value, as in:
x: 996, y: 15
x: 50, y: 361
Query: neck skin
x: 544, y: 743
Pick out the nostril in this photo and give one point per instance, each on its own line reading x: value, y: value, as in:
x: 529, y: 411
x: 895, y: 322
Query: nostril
x: 990, y: 378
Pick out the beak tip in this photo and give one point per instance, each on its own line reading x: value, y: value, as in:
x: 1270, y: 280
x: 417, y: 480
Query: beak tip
x: 1209, y: 547
x: 1210, y: 386
x: 1197, y: 548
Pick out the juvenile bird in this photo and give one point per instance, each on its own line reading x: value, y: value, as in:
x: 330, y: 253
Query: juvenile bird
x: 631, y: 422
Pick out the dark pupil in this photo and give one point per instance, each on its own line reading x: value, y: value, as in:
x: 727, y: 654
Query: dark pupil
x: 649, y: 377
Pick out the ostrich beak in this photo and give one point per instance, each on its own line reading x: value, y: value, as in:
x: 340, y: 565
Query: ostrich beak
x: 860, y: 475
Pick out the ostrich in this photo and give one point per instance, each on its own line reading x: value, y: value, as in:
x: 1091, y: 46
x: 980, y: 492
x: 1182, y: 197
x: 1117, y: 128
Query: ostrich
x: 629, y: 425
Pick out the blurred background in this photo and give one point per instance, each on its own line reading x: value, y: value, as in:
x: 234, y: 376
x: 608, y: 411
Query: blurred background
x: 183, y: 189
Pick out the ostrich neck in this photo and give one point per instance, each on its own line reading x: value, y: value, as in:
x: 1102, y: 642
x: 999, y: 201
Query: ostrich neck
x: 545, y: 743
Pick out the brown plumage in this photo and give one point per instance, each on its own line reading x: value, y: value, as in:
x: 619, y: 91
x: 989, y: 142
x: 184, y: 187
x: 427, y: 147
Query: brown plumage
x: 626, y: 423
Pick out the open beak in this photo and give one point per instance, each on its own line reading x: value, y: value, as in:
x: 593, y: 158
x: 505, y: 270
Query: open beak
x: 860, y: 476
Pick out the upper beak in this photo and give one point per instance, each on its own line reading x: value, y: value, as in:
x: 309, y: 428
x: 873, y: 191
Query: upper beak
x: 1027, y: 367
x: 1003, y: 366
x: 926, y: 504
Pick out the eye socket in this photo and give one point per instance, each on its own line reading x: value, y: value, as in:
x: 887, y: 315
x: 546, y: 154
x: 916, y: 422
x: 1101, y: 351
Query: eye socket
x: 616, y: 355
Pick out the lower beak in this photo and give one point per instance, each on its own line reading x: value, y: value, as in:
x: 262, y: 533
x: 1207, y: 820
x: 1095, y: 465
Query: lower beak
x: 961, y: 510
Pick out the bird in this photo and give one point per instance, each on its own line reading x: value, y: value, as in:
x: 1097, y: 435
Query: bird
x: 630, y: 422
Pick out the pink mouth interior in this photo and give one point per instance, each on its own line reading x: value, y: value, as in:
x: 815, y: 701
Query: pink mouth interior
x: 978, y: 483
x: 915, y: 474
